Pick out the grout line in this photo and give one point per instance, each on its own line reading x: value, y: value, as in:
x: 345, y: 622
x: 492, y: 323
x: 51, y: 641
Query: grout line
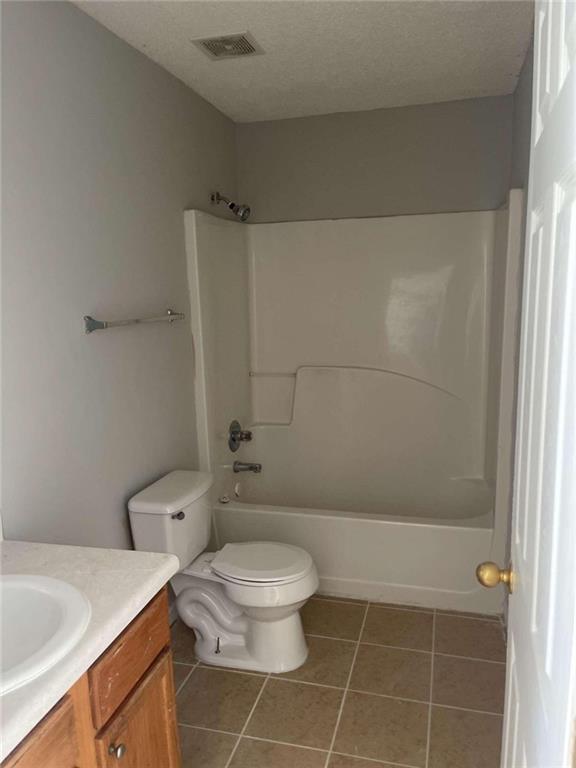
x: 469, y: 658
x: 396, y: 647
x: 234, y: 670
x: 417, y: 701
x: 185, y: 663
x: 364, y: 603
x: 346, y: 601
x: 186, y: 678
x: 296, y: 746
x: 409, y: 608
x: 387, y: 696
x: 467, y: 709
x: 364, y: 693
x: 341, y: 710
x: 243, y: 731
x: 307, y: 682
x: 429, y: 727
x: 404, y: 648
x: 285, y: 744
x: 480, y: 617
x: 378, y: 762
x: 204, y: 728
x: 331, y: 637
x: 253, y: 738
x: 494, y: 618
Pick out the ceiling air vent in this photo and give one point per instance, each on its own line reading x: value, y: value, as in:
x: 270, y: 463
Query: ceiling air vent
x: 229, y: 46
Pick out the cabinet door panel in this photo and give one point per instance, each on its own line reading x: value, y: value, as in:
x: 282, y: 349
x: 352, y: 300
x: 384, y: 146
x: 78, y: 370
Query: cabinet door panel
x: 52, y: 744
x: 122, y: 665
x: 144, y: 734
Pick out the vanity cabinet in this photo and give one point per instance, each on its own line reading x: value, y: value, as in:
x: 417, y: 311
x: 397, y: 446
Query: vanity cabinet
x: 121, y: 713
x: 54, y: 743
x: 144, y: 727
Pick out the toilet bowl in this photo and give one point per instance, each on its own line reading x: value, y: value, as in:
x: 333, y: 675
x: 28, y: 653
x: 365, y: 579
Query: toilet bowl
x: 242, y: 601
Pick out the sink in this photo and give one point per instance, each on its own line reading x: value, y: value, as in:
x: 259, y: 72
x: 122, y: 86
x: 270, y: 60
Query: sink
x: 41, y: 620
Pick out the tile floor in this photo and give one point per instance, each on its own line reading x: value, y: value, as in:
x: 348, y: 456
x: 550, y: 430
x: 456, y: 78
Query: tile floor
x: 383, y: 686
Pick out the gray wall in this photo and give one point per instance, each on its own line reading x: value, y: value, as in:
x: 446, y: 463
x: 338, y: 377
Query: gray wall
x: 454, y: 156
x: 522, y: 124
x: 103, y: 150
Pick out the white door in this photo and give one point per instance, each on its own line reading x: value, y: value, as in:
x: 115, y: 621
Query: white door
x: 540, y: 707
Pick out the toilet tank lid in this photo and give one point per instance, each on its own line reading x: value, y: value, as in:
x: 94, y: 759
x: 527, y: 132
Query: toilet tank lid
x: 171, y: 493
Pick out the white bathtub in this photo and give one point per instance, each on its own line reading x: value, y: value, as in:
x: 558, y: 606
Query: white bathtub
x: 386, y: 559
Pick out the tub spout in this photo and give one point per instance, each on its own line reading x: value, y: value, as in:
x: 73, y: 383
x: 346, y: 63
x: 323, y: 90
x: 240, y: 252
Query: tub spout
x: 246, y: 466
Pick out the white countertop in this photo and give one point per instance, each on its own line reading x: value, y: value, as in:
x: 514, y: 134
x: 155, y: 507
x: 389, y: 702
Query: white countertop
x: 118, y: 584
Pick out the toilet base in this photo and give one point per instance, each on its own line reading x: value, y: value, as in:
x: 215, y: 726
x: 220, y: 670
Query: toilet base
x: 268, y: 647
x: 228, y: 636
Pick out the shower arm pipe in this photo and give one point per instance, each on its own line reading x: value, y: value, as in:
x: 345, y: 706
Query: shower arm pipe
x: 219, y: 198
x: 91, y: 324
x: 240, y: 210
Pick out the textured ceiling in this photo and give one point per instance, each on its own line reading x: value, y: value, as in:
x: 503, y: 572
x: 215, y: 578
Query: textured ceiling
x: 325, y: 56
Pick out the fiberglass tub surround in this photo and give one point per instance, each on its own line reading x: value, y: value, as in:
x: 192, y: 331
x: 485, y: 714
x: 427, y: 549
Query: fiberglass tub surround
x: 366, y: 356
x: 368, y: 360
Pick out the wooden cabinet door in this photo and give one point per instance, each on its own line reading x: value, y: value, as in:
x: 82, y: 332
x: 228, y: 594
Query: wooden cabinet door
x: 144, y: 733
x: 52, y: 744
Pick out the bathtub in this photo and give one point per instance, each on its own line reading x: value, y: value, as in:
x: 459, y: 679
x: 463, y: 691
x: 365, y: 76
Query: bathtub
x: 406, y: 560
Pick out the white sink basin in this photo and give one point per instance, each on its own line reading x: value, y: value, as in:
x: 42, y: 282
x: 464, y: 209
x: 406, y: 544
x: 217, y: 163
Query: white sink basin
x: 41, y: 620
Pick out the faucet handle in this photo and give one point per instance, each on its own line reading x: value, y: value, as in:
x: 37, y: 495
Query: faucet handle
x: 237, y: 435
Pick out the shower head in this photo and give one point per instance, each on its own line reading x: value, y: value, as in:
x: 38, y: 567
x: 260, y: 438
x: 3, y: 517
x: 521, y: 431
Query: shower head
x: 242, y: 211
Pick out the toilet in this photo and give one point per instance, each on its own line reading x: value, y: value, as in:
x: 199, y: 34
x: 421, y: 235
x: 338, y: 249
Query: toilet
x: 242, y: 601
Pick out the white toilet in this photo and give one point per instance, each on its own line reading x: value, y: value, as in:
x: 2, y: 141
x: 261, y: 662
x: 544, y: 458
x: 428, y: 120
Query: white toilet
x: 243, y: 601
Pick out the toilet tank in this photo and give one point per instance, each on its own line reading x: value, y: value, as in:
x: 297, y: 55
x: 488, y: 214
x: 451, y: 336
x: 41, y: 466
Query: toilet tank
x: 173, y: 515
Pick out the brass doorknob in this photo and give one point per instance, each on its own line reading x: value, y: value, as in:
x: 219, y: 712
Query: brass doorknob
x: 490, y: 575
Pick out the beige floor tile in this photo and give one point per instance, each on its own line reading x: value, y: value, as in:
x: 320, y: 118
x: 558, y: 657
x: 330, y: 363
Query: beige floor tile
x: 384, y: 729
x: 296, y: 713
x: 464, y: 739
x: 183, y: 640
x: 393, y: 672
x: 328, y: 662
x: 403, y: 629
x: 469, y: 683
x: 214, y: 698
x: 181, y: 672
x: 343, y: 761
x: 207, y: 749
x: 263, y: 754
x: 470, y: 637
x: 333, y: 619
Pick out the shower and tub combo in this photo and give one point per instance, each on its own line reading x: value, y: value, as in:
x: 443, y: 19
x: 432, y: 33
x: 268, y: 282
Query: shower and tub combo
x: 372, y: 361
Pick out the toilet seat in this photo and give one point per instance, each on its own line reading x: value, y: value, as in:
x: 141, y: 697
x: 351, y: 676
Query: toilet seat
x: 262, y: 563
